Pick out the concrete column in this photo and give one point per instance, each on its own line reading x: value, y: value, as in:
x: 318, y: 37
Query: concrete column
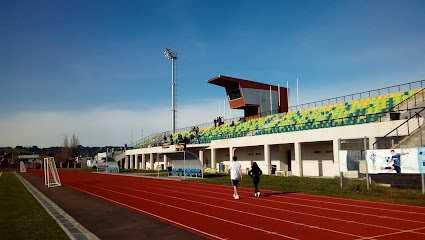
x: 372, y: 140
x: 136, y: 161
x: 151, y: 161
x: 201, y: 156
x: 231, y: 153
x: 267, y: 159
x: 165, y: 162
x: 157, y: 161
x: 143, y: 161
x: 131, y: 161
x: 213, y: 160
x: 336, y: 157
x: 126, y: 162
x: 297, y: 146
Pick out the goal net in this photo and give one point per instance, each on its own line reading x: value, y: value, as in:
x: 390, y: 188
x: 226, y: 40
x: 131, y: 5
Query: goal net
x: 22, y: 167
x: 51, y: 176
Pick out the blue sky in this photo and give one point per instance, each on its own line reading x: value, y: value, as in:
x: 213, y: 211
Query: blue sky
x: 97, y: 68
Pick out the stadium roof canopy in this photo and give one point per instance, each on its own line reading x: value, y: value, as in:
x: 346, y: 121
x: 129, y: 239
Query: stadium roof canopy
x: 256, y: 99
x: 230, y: 83
x: 184, y: 160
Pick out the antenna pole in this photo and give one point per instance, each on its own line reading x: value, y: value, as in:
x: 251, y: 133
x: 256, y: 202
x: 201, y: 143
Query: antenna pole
x: 298, y: 96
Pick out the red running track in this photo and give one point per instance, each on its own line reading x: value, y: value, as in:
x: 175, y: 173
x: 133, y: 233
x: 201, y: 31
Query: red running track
x: 210, y: 210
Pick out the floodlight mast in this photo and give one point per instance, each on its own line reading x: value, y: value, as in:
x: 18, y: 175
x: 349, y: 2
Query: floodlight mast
x: 173, y: 56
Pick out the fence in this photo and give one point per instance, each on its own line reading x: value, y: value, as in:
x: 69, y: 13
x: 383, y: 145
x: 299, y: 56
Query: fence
x: 360, y: 95
x: 356, y: 162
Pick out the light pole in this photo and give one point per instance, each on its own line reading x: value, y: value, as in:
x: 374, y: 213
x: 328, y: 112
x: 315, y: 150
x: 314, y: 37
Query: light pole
x: 173, y: 56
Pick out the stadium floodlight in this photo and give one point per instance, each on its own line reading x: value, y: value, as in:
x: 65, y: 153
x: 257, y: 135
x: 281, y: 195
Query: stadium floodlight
x: 173, y: 56
x: 169, y: 54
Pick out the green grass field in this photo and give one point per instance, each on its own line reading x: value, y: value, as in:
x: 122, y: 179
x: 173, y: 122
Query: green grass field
x: 21, y: 215
x: 354, y: 189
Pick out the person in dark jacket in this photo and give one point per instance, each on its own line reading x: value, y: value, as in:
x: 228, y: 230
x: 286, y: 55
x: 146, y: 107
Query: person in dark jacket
x: 255, y: 174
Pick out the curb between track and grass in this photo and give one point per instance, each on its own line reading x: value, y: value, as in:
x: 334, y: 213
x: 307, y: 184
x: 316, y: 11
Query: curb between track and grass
x: 71, y: 227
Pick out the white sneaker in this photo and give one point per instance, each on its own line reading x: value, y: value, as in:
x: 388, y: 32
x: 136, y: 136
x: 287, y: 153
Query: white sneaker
x: 255, y: 194
x: 258, y: 194
x: 236, y: 197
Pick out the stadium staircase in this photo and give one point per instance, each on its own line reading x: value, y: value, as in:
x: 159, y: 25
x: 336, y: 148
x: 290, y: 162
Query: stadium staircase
x: 119, y: 156
x: 414, y: 131
x: 361, y: 111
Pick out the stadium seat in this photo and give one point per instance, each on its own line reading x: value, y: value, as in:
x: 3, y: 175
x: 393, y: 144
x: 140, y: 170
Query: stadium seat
x: 359, y: 111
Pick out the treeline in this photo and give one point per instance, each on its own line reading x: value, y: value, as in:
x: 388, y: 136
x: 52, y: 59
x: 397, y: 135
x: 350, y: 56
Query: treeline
x: 70, y: 149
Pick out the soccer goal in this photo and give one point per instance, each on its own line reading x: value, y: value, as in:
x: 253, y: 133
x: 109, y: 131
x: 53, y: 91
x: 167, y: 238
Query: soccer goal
x: 51, y: 176
x: 22, y: 167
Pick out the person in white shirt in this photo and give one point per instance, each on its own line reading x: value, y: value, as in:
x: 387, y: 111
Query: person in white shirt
x: 235, y: 170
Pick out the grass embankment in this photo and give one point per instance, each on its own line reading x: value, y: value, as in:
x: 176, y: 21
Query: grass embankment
x: 21, y: 215
x: 354, y: 189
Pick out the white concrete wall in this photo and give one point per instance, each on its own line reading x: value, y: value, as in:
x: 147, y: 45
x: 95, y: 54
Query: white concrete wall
x: 329, y: 168
x: 251, y: 148
x: 310, y: 168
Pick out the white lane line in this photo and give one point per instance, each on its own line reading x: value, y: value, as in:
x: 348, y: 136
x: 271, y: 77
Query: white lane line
x: 366, y: 201
x: 350, y: 205
x: 234, y: 210
x: 218, y: 187
x: 336, y: 210
x: 183, y: 209
x: 395, y: 233
x: 148, y: 213
x: 259, y: 206
x: 350, y: 212
x: 343, y: 199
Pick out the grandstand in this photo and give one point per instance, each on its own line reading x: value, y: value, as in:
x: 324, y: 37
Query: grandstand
x: 302, y: 141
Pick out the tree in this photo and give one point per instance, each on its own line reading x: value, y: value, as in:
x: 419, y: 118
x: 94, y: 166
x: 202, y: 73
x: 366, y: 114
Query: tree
x: 65, y: 149
x: 74, y: 146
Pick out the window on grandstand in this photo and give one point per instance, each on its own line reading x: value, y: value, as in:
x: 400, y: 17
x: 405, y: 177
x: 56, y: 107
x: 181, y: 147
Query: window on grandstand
x: 235, y: 94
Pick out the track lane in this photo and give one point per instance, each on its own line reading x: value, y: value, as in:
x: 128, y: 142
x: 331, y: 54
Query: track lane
x: 222, y: 196
x: 228, y: 228
x: 324, y: 214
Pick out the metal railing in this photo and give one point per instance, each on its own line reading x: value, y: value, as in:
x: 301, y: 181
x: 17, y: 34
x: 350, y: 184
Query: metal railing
x: 413, y: 97
x: 404, y: 129
x: 341, y: 99
x: 360, y: 95
x: 346, y: 121
x: 204, y: 125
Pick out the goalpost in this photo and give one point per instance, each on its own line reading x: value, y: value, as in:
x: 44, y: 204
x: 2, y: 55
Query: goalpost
x: 51, y: 176
x: 22, y: 167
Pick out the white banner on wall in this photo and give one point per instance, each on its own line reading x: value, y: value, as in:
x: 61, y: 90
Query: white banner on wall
x: 343, y: 161
x: 421, y: 159
x: 404, y: 160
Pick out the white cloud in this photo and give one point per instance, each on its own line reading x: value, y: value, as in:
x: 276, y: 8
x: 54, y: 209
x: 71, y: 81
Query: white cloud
x: 99, y: 127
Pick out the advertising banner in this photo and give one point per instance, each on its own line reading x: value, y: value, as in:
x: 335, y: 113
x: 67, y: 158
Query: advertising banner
x: 404, y: 160
x: 421, y: 159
